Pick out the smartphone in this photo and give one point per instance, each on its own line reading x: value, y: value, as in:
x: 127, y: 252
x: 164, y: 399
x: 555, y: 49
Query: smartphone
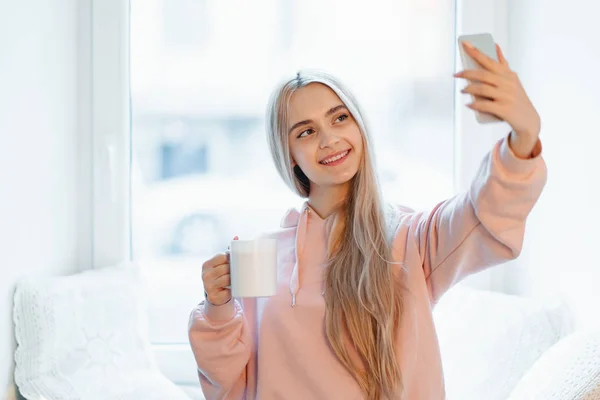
x: 484, y: 42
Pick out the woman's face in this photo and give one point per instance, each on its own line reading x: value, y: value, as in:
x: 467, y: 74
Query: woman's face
x: 325, y: 140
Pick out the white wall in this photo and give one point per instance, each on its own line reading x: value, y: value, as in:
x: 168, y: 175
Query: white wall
x: 554, y: 46
x: 44, y: 196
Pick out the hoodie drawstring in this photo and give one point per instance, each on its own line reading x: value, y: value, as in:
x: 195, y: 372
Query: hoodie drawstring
x: 300, y: 237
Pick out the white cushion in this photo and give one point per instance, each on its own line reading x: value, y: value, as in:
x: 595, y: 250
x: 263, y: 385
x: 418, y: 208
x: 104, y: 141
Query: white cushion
x: 489, y: 340
x: 85, y: 336
x: 570, y: 370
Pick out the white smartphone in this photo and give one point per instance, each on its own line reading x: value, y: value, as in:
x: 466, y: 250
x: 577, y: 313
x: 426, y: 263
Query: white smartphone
x: 484, y: 42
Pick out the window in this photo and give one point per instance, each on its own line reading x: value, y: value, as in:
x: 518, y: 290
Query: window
x: 203, y: 171
x: 194, y: 169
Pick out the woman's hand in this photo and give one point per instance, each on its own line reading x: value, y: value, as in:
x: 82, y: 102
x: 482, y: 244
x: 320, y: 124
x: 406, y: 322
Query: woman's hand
x: 217, y: 279
x: 497, y: 90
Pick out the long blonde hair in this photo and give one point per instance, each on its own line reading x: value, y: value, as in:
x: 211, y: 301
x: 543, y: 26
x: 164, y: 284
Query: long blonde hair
x: 361, y: 290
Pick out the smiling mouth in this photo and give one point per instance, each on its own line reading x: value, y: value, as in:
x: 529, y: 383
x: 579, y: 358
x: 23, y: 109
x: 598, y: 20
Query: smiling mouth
x: 335, y: 159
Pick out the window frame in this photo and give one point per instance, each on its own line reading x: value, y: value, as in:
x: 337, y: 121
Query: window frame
x: 110, y: 132
x: 109, y: 121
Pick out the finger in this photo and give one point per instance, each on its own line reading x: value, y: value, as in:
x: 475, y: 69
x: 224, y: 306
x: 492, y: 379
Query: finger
x: 216, y: 285
x: 221, y: 282
x: 211, y: 274
x: 234, y: 238
x: 501, y: 58
x: 484, y: 90
x: 482, y: 59
x: 220, y: 270
x: 479, y: 75
x: 228, y: 252
x: 487, y: 106
x: 219, y: 259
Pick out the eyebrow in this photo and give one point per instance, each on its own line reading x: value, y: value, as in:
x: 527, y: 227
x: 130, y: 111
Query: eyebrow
x: 331, y: 111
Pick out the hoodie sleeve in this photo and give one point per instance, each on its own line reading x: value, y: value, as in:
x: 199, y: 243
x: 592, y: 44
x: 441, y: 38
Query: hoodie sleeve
x: 221, y: 344
x: 484, y: 226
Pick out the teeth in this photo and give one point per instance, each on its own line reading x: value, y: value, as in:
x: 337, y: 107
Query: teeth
x: 332, y: 159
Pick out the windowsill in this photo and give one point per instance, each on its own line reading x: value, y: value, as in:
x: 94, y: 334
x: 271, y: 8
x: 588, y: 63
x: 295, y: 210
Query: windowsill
x: 193, y: 391
x: 173, y: 289
x: 177, y: 363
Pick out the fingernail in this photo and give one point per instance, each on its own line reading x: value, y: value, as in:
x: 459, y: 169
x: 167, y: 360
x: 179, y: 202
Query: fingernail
x: 468, y: 45
x: 458, y: 74
x: 235, y: 238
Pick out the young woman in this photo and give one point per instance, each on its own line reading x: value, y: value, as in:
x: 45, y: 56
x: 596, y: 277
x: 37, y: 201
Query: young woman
x: 352, y: 318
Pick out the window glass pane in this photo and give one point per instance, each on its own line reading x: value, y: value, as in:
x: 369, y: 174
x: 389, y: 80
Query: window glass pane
x: 201, y: 75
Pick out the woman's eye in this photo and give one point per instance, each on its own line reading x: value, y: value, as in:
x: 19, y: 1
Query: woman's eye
x: 341, y: 117
x: 305, y: 133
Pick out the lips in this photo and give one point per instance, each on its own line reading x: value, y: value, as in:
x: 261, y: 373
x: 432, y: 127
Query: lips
x: 335, y: 158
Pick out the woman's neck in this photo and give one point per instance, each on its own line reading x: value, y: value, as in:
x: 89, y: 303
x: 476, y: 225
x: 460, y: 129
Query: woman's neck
x: 326, y: 200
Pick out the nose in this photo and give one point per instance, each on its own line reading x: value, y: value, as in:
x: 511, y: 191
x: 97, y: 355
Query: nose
x: 328, y: 139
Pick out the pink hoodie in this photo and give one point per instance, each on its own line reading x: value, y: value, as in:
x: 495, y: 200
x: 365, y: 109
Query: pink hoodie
x: 271, y: 348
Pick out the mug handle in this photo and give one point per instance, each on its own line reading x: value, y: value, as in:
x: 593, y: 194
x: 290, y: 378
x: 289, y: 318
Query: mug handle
x: 228, y: 253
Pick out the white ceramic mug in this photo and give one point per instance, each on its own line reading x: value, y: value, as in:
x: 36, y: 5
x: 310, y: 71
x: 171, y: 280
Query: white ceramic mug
x: 253, y: 267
